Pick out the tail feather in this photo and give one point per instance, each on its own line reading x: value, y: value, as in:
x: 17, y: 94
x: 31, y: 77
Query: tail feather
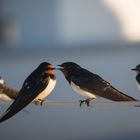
x: 115, y: 95
x: 6, y: 115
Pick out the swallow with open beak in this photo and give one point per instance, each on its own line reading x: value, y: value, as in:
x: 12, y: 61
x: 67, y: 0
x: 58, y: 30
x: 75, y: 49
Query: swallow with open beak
x: 90, y: 85
x: 36, y: 87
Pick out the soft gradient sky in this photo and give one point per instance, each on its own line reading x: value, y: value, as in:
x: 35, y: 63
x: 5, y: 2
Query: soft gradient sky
x: 43, y: 23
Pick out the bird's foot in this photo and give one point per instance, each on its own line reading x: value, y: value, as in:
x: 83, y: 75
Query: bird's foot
x: 36, y: 102
x: 39, y: 102
x: 87, y: 102
x: 81, y: 102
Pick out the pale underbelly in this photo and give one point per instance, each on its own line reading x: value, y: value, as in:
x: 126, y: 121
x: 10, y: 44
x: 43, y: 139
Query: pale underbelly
x: 47, y: 90
x: 4, y: 97
x: 138, y: 85
x: 83, y: 93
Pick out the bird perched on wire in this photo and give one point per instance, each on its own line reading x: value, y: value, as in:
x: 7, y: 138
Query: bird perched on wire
x: 7, y: 93
x: 137, y: 69
x: 36, y: 87
x: 90, y: 85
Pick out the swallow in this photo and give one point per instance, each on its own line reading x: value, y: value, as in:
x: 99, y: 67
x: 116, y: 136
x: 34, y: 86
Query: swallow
x: 6, y: 93
x: 137, y: 69
x: 90, y: 85
x: 38, y: 85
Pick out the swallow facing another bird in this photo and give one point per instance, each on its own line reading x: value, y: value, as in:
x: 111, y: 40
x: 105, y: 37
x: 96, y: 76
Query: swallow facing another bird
x: 36, y: 87
x: 7, y: 93
x: 90, y: 85
x: 137, y: 69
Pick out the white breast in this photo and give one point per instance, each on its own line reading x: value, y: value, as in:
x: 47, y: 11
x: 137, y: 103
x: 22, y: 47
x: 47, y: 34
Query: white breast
x: 47, y: 90
x: 138, y: 85
x: 4, y: 97
x: 1, y: 81
x: 82, y: 92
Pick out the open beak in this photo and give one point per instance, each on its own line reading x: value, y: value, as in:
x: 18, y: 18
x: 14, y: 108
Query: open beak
x: 63, y: 70
x: 61, y: 67
x: 52, y: 68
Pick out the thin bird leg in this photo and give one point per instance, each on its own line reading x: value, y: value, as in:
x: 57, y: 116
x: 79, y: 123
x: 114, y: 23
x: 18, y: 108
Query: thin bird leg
x: 39, y: 102
x: 87, y: 102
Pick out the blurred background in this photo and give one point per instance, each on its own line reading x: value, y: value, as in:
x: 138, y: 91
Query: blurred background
x: 100, y: 35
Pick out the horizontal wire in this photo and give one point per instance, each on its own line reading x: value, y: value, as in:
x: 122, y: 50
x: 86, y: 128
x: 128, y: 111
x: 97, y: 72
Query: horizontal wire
x: 64, y: 103
x: 92, y: 103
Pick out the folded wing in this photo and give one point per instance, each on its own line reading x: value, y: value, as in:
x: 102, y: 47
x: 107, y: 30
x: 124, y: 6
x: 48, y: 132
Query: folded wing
x: 29, y: 91
x: 98, y: 86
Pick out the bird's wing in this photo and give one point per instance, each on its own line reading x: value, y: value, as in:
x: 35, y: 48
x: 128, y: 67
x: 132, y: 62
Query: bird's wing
x: 98, y: 86
x: 10, y: 92
x: 29, y: 91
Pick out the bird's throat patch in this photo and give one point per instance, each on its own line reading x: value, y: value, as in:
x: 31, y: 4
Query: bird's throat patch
x: 51, y: 72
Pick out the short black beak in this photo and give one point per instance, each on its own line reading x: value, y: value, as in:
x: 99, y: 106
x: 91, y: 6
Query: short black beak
x: 134, y: 69
x: 51, y: 68
x: 61, y: 67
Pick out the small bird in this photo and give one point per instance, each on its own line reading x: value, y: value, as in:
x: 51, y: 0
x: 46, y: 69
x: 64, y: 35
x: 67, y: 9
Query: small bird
x: 137, y: 69
x: 36, y: 87
x: 90, y: 85
x: 7, y: 93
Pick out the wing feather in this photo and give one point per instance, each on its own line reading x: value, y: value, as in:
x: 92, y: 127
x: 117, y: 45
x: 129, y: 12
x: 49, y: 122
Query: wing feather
x: 98, y: 86
x: 29, y: 91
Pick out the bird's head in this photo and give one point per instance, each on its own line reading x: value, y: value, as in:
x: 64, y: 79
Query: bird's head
x: 137, y: 69
x: 46, y: 67
x: 68, y: 68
